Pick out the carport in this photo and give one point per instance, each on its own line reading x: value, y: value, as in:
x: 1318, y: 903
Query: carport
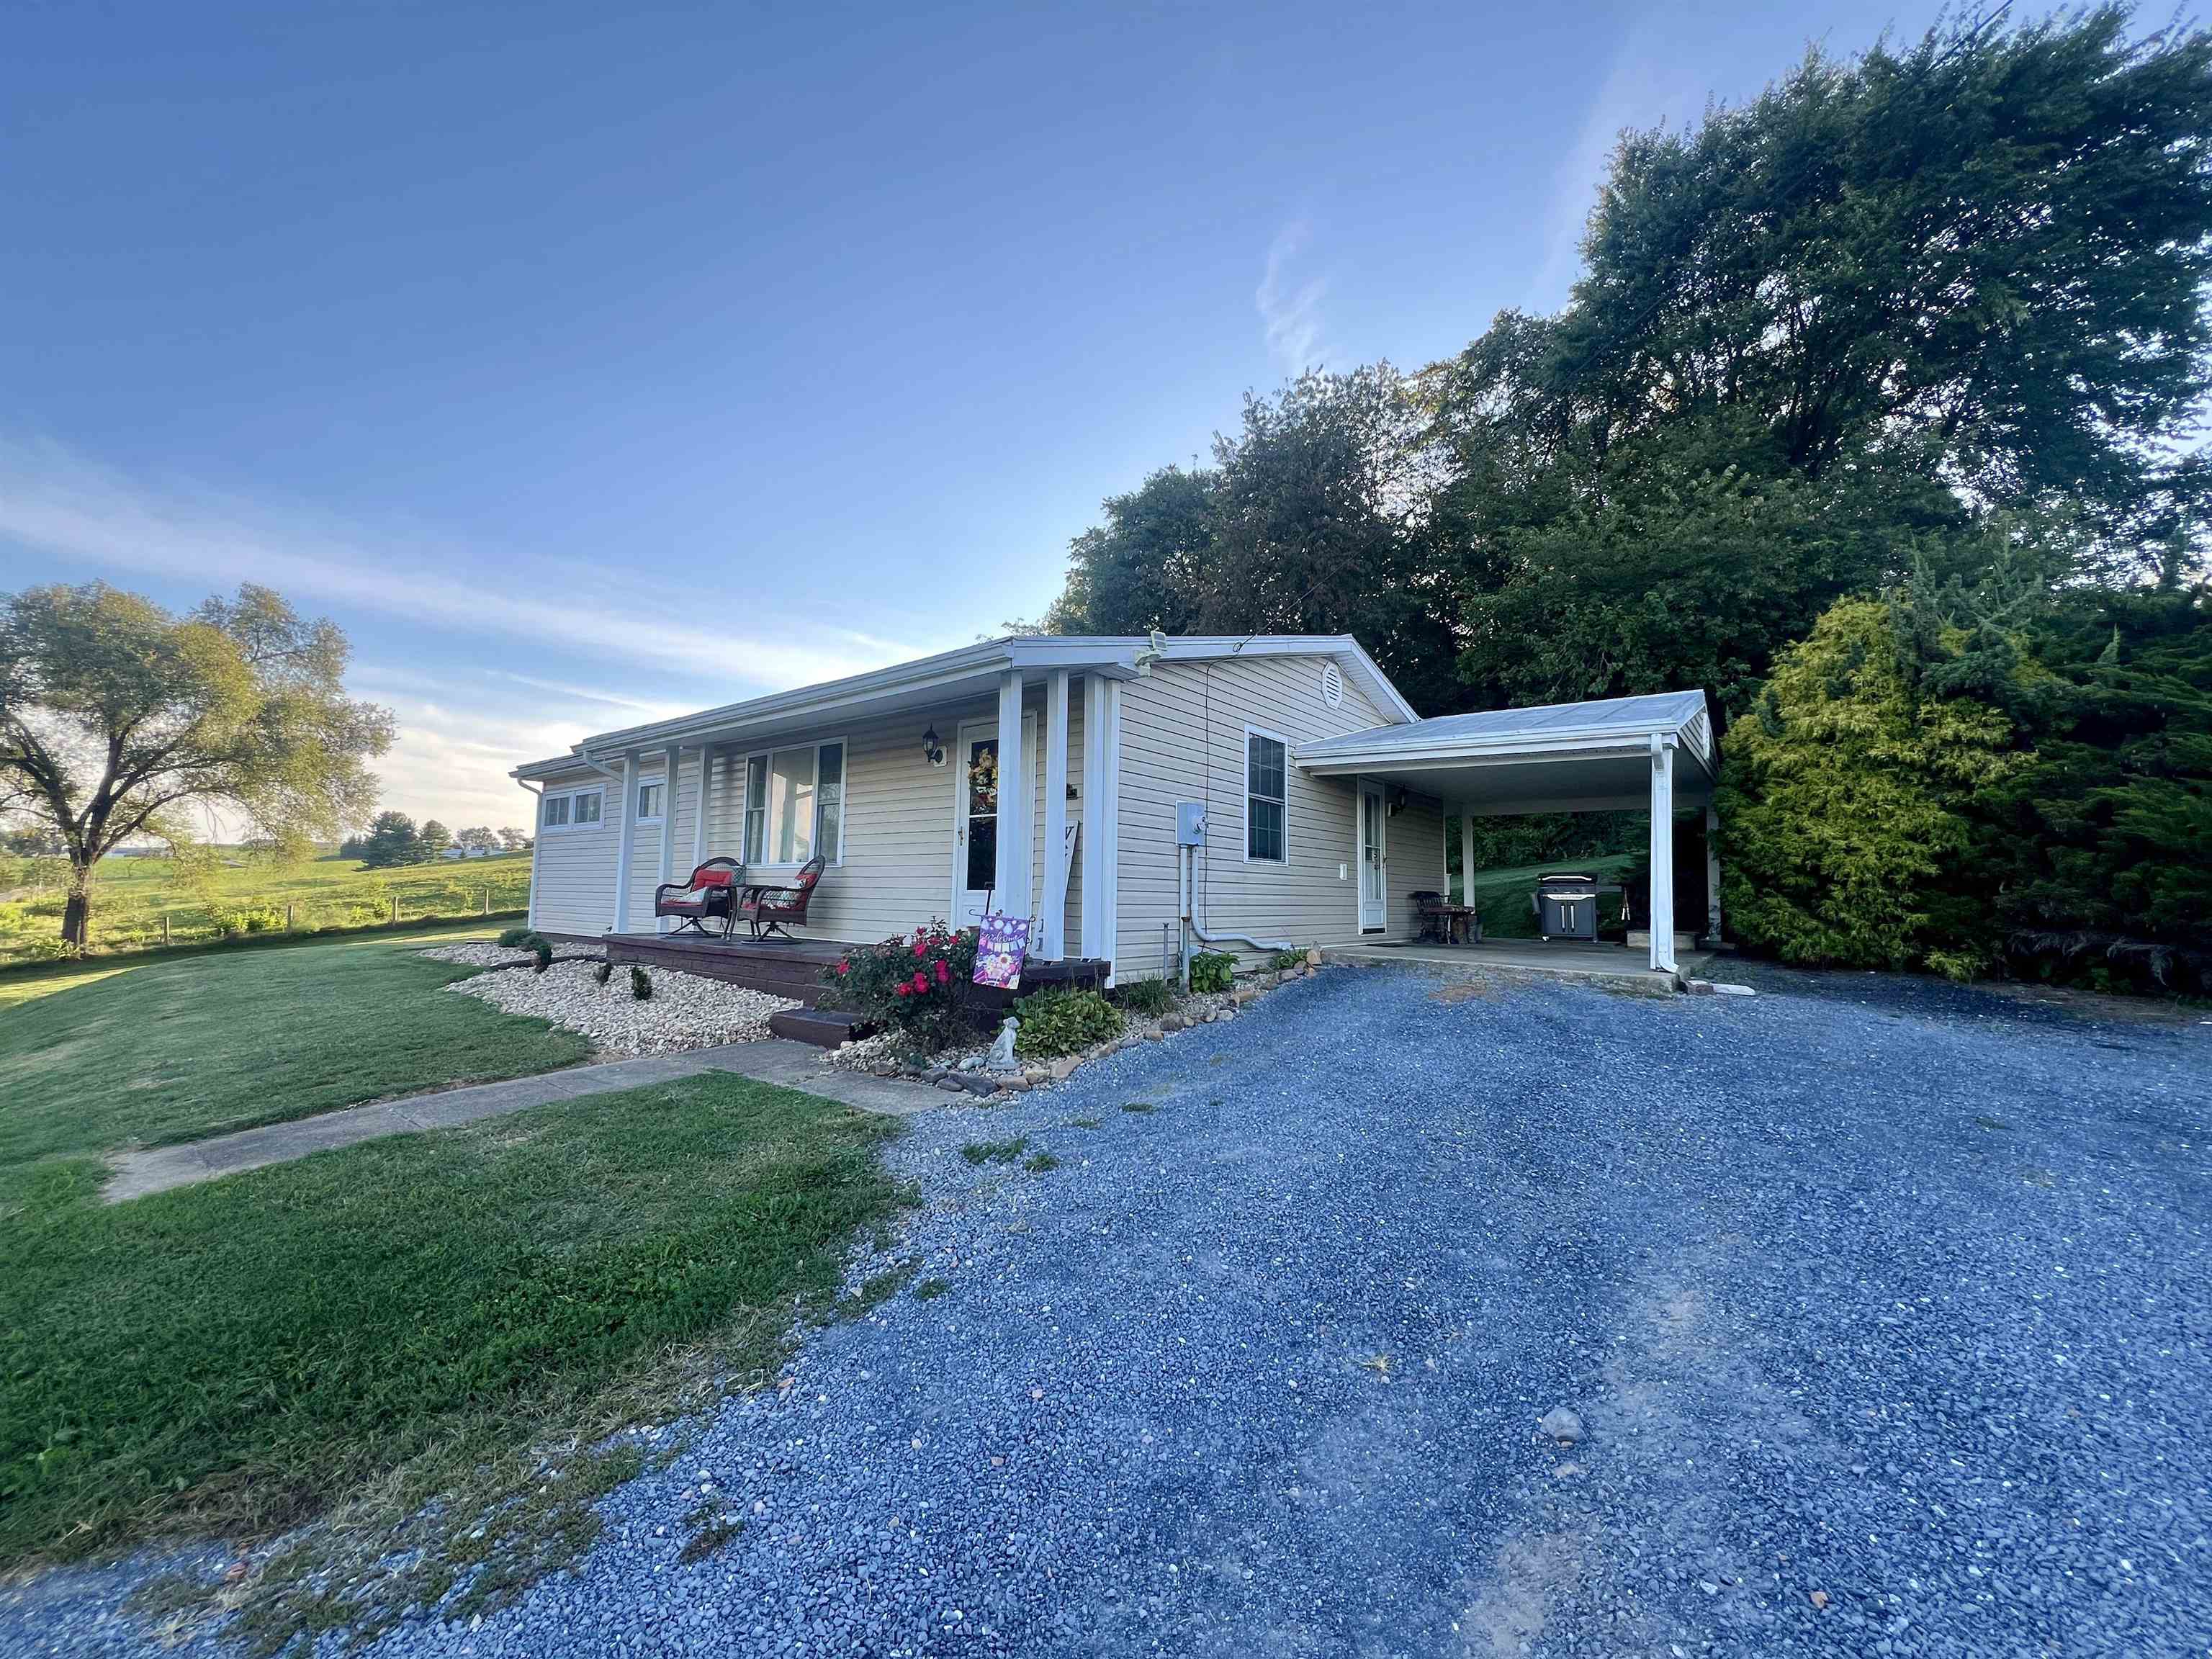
x: 1620, y: 755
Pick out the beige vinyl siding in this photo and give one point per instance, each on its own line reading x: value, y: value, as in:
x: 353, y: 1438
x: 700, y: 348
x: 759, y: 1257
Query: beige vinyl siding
x: 572, y: 872
x: 1183, y: 738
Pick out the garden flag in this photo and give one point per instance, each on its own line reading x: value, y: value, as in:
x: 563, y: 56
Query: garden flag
x: 1002, y: 942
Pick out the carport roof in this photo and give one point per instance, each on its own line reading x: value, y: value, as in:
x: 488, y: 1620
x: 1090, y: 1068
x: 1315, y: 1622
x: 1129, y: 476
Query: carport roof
x: 1557, y: 756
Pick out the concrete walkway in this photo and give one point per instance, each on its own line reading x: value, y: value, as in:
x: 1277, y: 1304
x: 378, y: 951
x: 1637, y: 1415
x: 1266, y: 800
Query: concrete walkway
x: 791, y: 1065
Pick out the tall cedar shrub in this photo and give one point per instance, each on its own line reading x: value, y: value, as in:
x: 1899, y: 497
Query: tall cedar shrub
x: 1847, y: 805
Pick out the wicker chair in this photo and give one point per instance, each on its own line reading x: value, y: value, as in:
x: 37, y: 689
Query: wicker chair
x: 706, y: 895
x: 766, y: 909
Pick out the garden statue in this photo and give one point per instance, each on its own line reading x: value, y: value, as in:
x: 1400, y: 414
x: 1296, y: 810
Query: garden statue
x: 1002, y: 1052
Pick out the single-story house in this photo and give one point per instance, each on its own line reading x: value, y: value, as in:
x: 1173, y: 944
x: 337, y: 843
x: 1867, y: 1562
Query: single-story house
x: 1057, y: 777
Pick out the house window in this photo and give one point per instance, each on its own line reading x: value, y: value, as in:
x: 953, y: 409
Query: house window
x: 795, y: 805
x: 651, y: 798
x: 569, y: 809
x: 1264, y: 770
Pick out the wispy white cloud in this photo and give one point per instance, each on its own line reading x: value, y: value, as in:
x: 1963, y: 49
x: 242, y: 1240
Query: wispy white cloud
x: 1289, y: 310
x: 1641, y: 83
x: 55, y: 501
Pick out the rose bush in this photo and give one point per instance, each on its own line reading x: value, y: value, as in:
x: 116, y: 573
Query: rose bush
x: 918, y: 985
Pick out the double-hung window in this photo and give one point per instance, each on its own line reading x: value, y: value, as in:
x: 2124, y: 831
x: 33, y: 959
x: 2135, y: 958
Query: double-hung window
x: 569, y: 809
x: 1266, y: 827
x: 795, y: 805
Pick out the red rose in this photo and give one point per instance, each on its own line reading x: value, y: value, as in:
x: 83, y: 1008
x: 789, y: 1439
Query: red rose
x: 920, y: 983
x: 922, y: 947
x: 843, y: 969
x: 944, y: 970
x: 902, y: 989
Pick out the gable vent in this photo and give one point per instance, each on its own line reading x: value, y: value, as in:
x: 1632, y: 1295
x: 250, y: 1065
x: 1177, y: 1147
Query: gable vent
x: 1332, y: 685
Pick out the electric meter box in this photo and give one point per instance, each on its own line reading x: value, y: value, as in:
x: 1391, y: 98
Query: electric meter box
x: 1190, y: 824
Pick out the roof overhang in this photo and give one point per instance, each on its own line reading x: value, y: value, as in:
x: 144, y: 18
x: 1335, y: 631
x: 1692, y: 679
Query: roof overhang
x: 1602, y: 766
x: 971, y: 672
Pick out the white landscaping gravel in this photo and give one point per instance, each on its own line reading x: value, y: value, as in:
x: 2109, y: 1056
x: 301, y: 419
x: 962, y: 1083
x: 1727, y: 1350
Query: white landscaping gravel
x: 478, y: 953
x: 684, y: 1011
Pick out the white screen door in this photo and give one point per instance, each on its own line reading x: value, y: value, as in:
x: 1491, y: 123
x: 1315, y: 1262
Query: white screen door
x: 1374, y: 865
x: 975, y: 827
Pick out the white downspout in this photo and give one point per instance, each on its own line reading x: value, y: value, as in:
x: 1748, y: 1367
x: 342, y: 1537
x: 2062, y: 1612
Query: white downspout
x: 537, y: 840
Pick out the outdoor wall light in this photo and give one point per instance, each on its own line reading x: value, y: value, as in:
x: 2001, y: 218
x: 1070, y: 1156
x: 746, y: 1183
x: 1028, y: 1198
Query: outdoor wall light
x: 932, y: 751
x: 1399, y: 798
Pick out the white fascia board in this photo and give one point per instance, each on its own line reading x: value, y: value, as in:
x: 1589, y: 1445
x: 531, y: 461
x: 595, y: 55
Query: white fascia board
x: 1350, y: 655
x: 1325, y: 761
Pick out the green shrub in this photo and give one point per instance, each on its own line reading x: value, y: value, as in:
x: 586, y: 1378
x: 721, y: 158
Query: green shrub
x: 603, y: 972
x: 920, y: 987
x: 515, y: 938
x: 641, y: 985
x: 1283, y: 961
x: 1064, y: 1022
x: 1210, y: 970
x: 1146, y: 996
x: 542, y: 948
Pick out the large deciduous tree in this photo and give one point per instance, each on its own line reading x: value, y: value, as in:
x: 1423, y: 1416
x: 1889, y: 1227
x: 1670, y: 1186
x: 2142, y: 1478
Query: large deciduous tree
x: 116, y: 716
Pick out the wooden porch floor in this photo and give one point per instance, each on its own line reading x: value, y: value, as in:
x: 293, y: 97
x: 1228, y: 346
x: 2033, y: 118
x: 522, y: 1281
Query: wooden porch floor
x: 793, y: 967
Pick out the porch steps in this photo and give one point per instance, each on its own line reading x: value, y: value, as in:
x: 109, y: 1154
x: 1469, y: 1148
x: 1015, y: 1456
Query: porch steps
x: 825, y: 1028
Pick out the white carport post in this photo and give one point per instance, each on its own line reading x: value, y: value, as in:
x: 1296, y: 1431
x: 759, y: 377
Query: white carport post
x: 1098, y: 799
x: 671, y: 759
x: 1052, y: 925
x: 1661, y: 919
x: 1016, y: 780
x: 627, y: 806
x: 1466, y: 855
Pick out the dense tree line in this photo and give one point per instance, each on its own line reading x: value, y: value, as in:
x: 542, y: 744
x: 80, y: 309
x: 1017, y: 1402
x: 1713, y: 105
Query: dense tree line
x: 1872, y: 415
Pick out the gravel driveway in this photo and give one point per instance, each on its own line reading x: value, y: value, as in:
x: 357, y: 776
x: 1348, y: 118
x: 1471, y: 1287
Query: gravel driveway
x: 1882, y: 1290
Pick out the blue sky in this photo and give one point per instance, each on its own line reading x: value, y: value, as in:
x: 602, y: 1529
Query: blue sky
x: 590, y: 361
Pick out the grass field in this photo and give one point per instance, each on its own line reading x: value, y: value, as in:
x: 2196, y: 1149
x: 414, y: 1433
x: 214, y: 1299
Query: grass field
x: 104, y: 1057
x: 1502, y: 895
x: 416, y: 1317
x: 238, y: 893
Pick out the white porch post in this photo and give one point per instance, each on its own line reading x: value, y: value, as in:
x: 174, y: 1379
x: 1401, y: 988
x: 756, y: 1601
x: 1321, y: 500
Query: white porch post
x: 1662, y: 918
x: 1712, y: 875
x: 671, y: 761
x: 1052, y: 930
x: 702, y: 801
x: 1016, y: 782
x: 627, y: 806
x: 1092, y: 845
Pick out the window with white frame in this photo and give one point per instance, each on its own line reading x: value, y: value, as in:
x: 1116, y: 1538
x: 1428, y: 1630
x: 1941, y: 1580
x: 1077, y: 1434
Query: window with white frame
x: 795, y: 805
x: 1266, y: 828
x: 652, y: 800
x: 569, y: 809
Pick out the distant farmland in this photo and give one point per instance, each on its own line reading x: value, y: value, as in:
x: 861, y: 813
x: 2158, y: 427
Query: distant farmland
x: 243, y: 894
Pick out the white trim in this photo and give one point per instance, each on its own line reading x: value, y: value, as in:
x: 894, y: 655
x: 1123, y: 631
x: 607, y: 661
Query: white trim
x: 672, y: 768
x: 1250, y: 732
x: 765, y: 864
x: 1370, y: 787
x: 655, y: 780
x: 1052, y: 919
x: 1661, y: 919
x: 704, y: 801
x: 1466, y: 860
x: 628, y: 847
x: 1110, y: 819
x: 1097, y: 917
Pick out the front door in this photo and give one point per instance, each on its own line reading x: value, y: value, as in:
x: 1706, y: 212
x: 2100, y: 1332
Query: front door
x: 1374, y: 865
x: 975, y: 823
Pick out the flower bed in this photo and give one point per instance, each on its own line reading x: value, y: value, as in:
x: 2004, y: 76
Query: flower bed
x: 961, y: 1069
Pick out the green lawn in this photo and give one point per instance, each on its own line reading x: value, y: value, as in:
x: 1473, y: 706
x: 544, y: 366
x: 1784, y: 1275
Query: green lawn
x: 130, y: 897
x: 180, y: 1048
x: 407, y: 1317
